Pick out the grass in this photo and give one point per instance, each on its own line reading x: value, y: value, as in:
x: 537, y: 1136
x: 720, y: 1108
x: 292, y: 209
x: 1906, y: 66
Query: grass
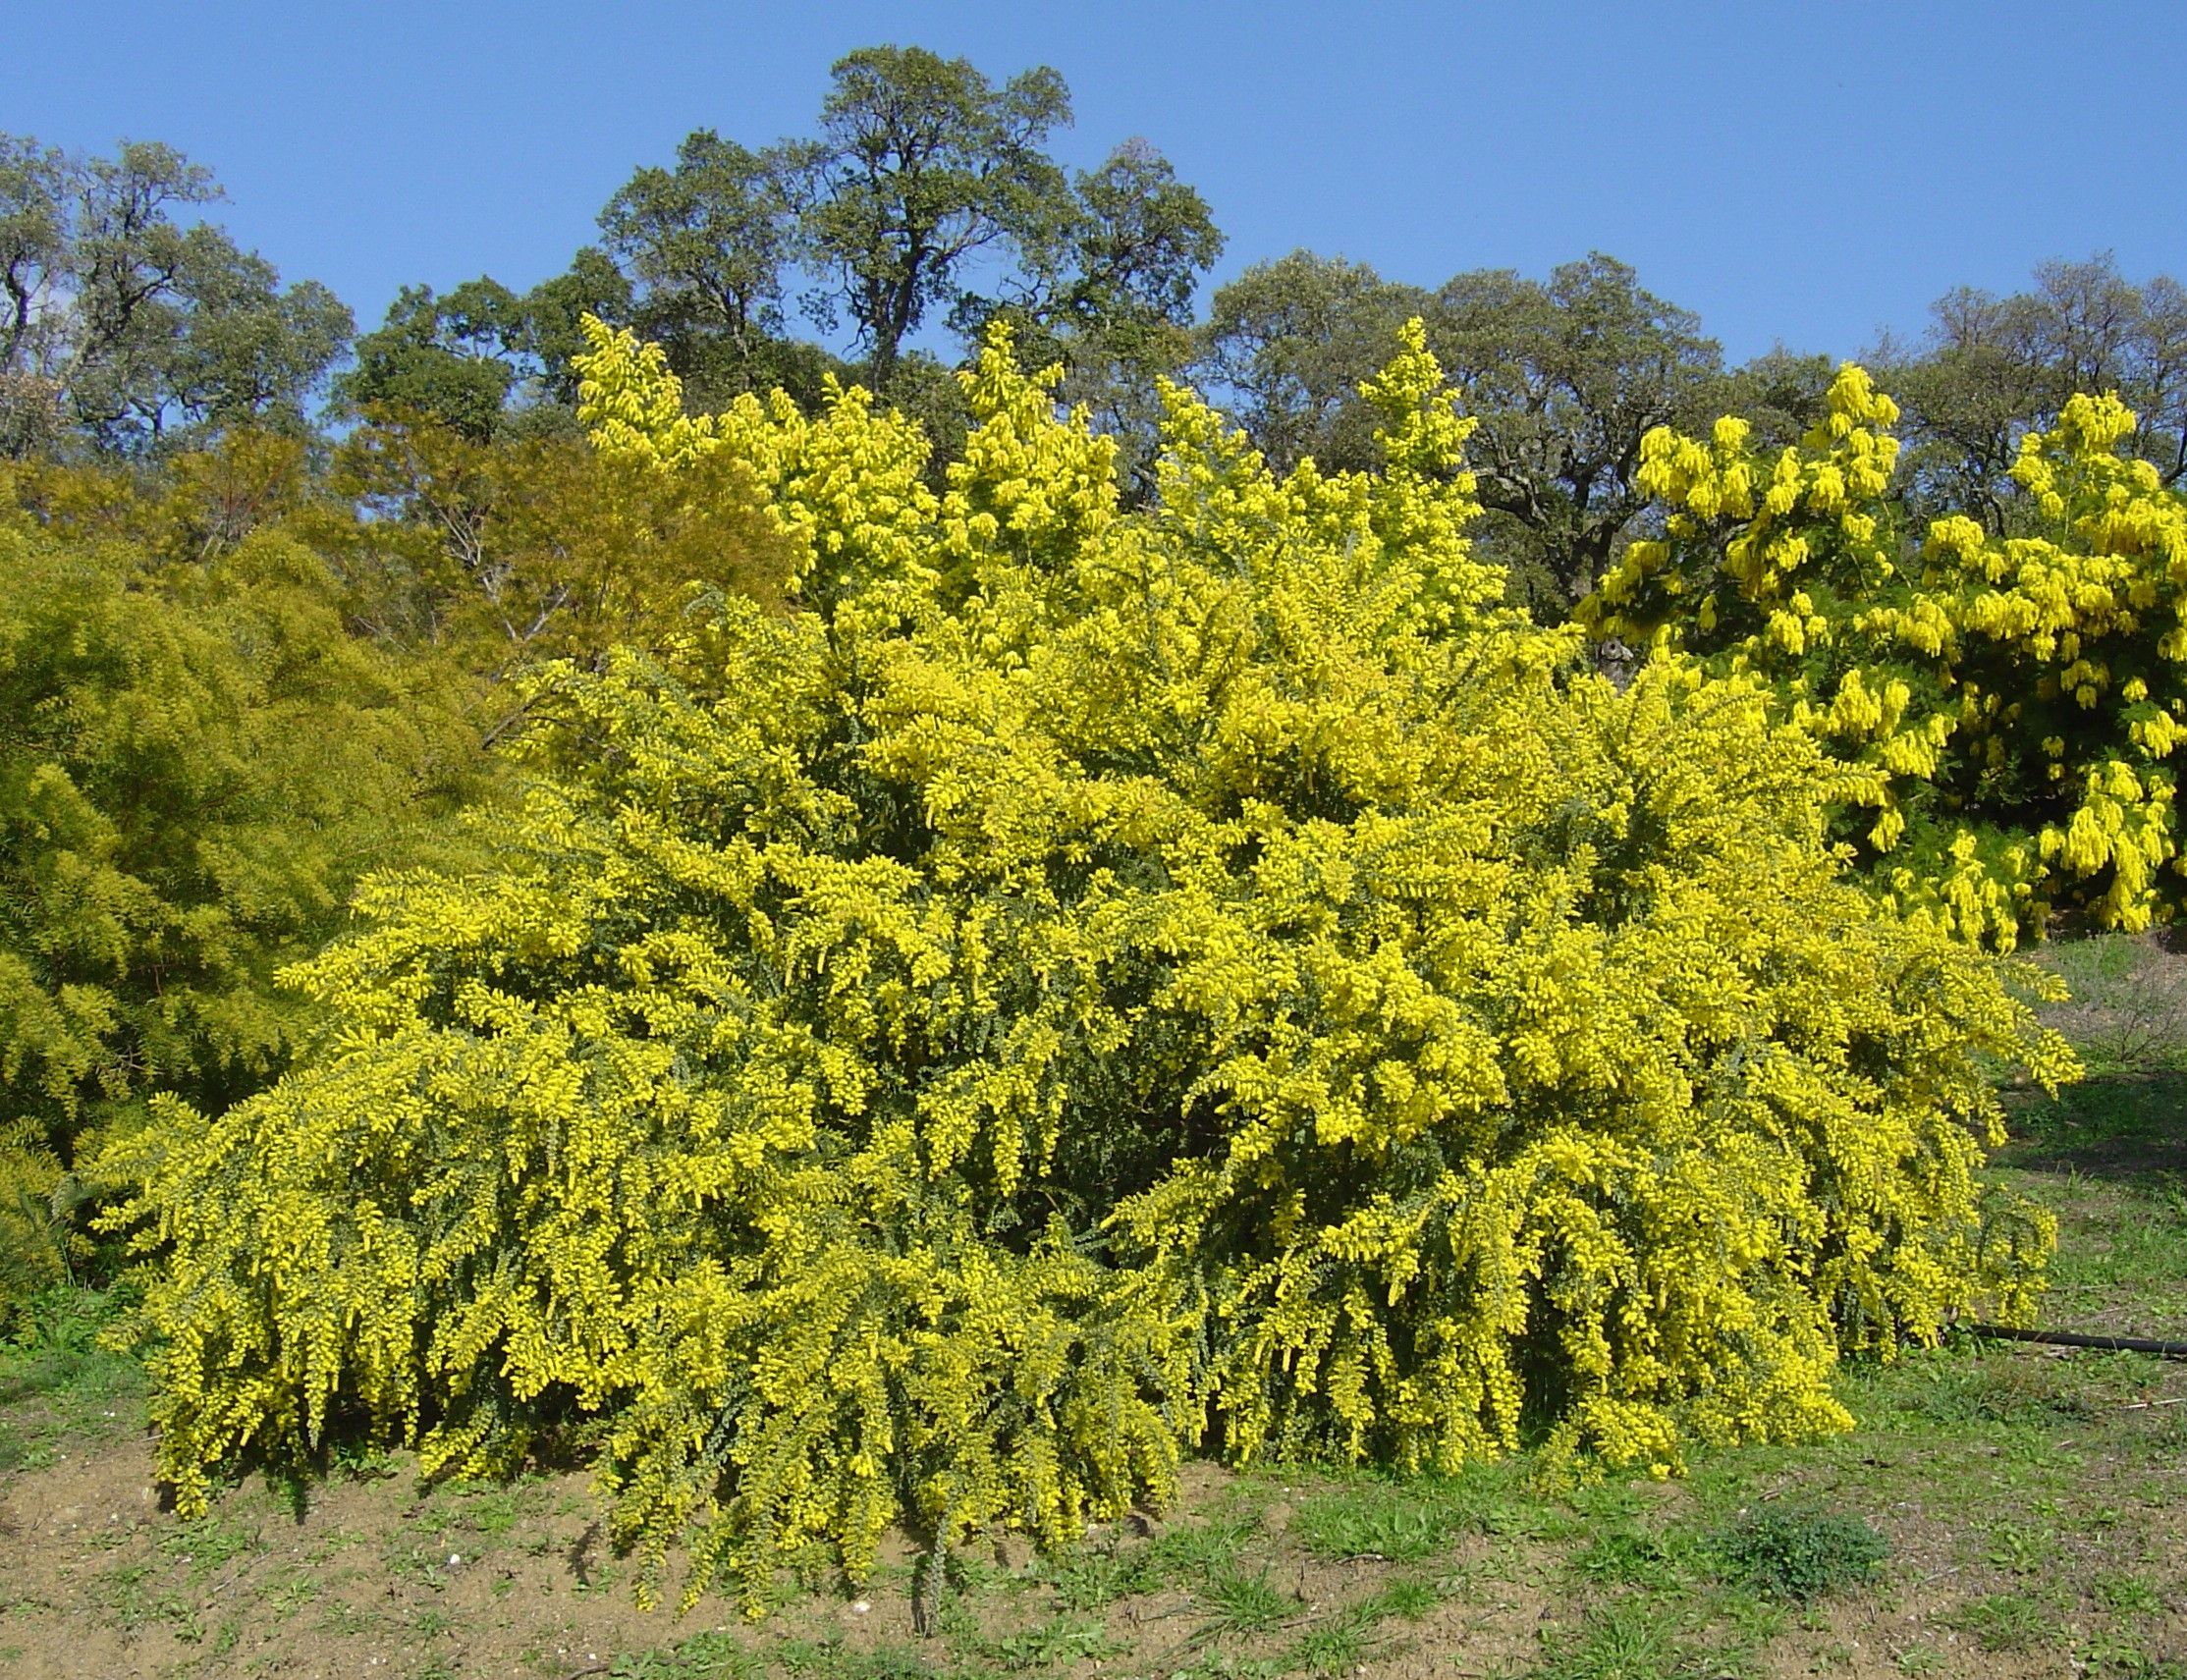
x: 58, y: 1387
x: 2034, y: 1508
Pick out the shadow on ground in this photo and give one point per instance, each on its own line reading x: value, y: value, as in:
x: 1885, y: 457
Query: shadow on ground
x: 2124, y: 1128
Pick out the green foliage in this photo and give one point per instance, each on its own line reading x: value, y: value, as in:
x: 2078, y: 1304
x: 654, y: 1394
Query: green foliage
x: 920, y: 163
x: 1800, y: 1553
x: 1239, y: 1604
x: 494, y: 554
x: 1991, y: 369
x: 1287, y: 344
x: 120, y: 325
x: 198, y: 762
x: 1399, y: 1523
x: 1086, y: 988
x: 1568, y: 375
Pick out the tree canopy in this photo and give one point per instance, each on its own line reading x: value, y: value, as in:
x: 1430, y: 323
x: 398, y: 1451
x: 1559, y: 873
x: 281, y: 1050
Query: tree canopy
x: 120, y: 323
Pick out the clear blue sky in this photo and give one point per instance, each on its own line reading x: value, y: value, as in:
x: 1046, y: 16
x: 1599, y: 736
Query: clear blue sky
x: 1796, y: 172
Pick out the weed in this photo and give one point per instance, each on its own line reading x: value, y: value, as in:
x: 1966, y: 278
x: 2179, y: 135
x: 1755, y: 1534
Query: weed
x: 1626, y: 1557
x: 702, y: 1657
x: 2128, y: 1012
x: 1409, y: 1598
x: 1241, y: 1604
x: 2007, y: 1621
x: 1624, y: 1640
x: 2018, y: 1549
x: 57, y: 1383
x: 1376, y: 1519
x: 1201, y: 1551
x: 1090, y: 1578
x: 2129, y: 1594
x: 208, y: 1542
x: 1228, y: 1665
x: 1062, y: 1640
x: 1800, y: 1552
x: 1333, y: 1649
x: 1959, y: 1392
x: 495, y: 1511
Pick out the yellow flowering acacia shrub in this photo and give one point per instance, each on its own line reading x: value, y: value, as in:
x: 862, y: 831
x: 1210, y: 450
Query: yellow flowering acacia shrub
x: 1095, y: 988
x: 2003, y: 709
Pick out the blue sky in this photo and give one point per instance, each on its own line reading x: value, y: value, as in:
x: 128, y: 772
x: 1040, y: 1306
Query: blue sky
x: 1797, y: 172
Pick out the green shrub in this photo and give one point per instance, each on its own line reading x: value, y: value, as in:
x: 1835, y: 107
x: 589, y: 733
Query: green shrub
x: 197, y: 765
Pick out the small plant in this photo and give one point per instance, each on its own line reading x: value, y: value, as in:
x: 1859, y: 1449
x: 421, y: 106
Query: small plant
x: 1961, y: 1391
x: 206, y: 1544
x: 1090, y: 1578
x: 1407, y: 1599
x: 1205, y: 1551
x: 704, y: 1656
x: 1060, y: 1641
x: 2007, y: 1621
x: 1625, y: 1558
x: 1334, y: 1649
x: 1376, y: 1520
x: 1242, y: 1604
x: 2129, y: 1596
x: 2018, y: 1549
x: 2128, y: 1012
x: 1627, y: 1640
x: 1800, y: 1553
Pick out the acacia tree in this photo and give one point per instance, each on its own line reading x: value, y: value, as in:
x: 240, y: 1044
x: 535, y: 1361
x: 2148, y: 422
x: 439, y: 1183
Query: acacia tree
x: 2007, y: 712
x: 1086, y: 988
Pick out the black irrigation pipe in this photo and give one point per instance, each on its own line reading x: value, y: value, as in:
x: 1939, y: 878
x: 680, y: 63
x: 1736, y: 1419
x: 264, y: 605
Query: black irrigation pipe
x: 2066, y: 1338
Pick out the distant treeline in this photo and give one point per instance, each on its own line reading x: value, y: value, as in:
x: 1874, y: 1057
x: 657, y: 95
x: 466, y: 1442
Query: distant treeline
x: 925, y: 196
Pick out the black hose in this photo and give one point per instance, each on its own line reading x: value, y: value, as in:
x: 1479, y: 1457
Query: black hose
x: 2067, y: 1339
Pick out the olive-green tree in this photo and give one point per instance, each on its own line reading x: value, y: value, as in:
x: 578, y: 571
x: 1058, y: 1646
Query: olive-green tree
x: 120, y: 323
x: 197, y: 763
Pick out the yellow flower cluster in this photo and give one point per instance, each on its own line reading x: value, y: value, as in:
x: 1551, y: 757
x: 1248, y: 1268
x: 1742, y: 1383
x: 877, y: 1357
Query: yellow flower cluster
x: 1088, y: 989
x: 2006, y: 706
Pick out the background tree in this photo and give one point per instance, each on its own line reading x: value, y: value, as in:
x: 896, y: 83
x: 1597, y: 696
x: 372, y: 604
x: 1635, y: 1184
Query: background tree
x: 921, y: 163
x: 1990, y: 369
x: 454, y: 359
x: 706, y: 246
x: 198, y: 764
x: 482, y: 360
x: 1286, y: 347
x: 1567, y: 376
x: 1108, y: 291
x: 35, y: 188
x: 122, y: 323
x: 504, y: 552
